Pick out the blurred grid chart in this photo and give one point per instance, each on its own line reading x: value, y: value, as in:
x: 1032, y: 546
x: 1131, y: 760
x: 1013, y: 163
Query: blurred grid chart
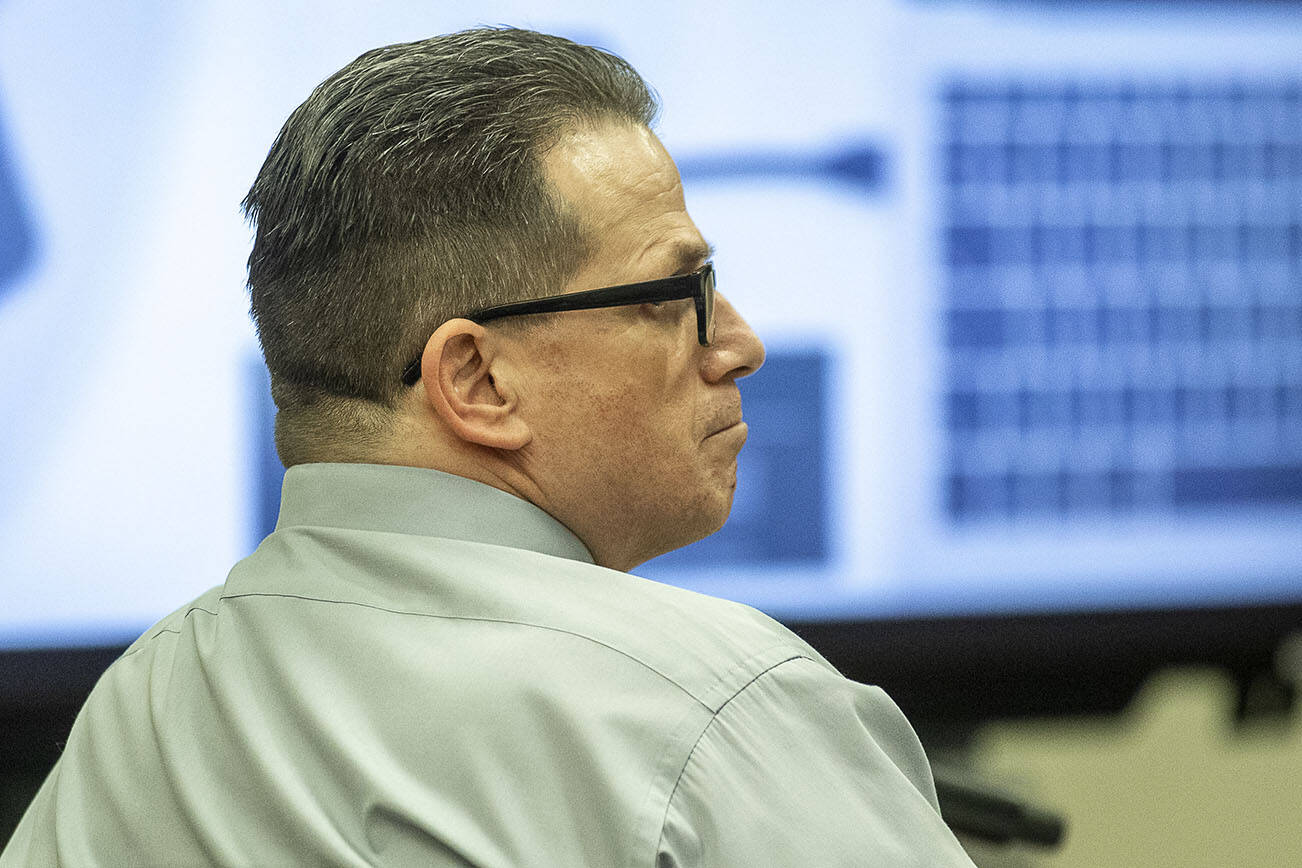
x: 1122, y: 305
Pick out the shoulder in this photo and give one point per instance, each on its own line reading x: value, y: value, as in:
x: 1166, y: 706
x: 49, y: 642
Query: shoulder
x: 711, y: 647
x: 835, y: 759
x: 707, y: 647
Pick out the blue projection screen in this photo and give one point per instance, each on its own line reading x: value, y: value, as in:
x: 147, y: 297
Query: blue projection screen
x: 1030, y: 280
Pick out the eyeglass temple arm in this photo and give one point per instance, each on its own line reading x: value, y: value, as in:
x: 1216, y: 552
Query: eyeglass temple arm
x: 652, y: 290
x: 681, y: 286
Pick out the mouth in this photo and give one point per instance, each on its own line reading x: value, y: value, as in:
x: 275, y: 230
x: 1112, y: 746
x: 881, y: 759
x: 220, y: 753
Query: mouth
x: 727, y: 416
x: 737, y: 426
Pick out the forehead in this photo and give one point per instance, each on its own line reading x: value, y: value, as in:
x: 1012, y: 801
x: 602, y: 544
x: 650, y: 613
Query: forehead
x: 623, y: 185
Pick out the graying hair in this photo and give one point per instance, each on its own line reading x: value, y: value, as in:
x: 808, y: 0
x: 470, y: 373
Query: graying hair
x: 405, y: 191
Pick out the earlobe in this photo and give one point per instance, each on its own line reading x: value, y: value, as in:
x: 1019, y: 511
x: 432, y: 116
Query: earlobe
x: 461, y: 373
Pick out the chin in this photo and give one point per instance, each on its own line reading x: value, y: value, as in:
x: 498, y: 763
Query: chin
x: 692, y: 521
x: 719, y: 517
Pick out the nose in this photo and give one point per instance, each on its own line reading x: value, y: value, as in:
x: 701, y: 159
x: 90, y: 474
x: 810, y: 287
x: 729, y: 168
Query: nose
x: 736, y: 350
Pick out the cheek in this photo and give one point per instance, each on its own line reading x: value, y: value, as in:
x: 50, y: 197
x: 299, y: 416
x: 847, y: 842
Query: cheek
x: 635, y: 400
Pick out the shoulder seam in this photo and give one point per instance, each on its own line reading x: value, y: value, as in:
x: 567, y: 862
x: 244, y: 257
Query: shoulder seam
x: 706, y: 728
x: 473, y: 618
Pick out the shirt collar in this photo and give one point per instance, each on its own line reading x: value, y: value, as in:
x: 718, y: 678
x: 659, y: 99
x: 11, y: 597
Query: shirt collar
x: 422, y: 502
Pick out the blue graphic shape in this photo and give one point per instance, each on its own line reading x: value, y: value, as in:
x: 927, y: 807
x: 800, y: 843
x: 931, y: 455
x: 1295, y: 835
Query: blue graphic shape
x: 16, y: 237
x: 780, y: 514
x: 859, y: 165
x: 264, y: 464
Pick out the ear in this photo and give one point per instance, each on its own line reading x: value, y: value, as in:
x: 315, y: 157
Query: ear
x: 461, y: 374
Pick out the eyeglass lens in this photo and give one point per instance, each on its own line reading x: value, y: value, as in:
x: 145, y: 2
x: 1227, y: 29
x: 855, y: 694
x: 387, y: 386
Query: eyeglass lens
x: 709, y: 306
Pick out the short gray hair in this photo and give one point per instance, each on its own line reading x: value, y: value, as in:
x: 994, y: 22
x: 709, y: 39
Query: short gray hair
x: 408, y: 190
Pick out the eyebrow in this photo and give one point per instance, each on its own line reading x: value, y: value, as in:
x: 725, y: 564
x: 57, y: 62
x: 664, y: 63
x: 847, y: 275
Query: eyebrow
x: 688, y: 256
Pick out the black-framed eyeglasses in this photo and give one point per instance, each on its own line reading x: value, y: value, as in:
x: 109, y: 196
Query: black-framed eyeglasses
x: 698, y: 286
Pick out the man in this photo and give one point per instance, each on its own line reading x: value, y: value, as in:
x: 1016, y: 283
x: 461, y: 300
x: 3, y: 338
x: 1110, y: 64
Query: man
x: 503, y: 379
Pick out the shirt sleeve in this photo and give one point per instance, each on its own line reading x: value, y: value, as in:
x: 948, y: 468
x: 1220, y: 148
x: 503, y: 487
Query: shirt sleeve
x: 804, y: 767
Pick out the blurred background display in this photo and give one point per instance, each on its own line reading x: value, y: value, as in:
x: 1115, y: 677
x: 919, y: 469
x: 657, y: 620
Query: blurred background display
x: 1029, y: 276
x: 1030, y: 428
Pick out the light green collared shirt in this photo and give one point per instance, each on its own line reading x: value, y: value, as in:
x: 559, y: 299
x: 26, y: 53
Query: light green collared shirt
x: 417, y: 669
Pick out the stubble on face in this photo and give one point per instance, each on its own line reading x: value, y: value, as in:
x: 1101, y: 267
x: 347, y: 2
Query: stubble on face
x: 622, y: 452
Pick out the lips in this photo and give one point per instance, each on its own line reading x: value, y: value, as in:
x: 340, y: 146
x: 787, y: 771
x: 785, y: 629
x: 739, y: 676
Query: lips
x: 727, y: 414
x: 724, y: 426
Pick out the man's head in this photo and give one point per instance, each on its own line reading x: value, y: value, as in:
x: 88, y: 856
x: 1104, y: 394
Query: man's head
x: 406, y: 190
x: 617, y: 421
